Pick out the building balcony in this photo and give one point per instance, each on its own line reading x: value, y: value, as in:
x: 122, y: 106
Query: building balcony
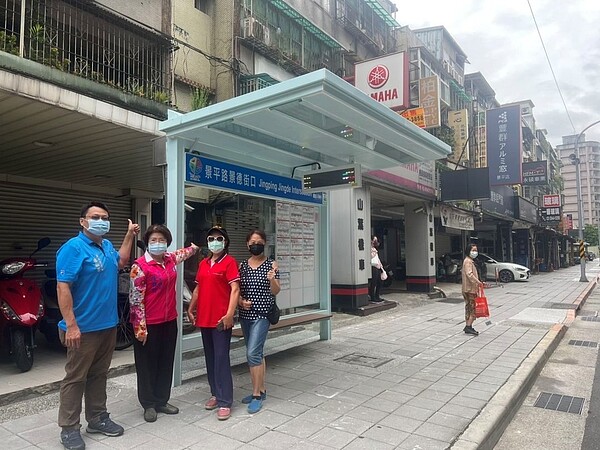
x: 369, y: 24
x: 88, y: 49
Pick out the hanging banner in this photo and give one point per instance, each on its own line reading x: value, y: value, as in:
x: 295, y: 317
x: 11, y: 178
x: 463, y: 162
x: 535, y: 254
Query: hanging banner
x: 501, y: 201
x: 418, y: 177
x: 550, y: 216
x: 415, y: 115
x: 429, y: 100
x: 459, y: 122
x: 504, y: 145
x: 551, y: 201
x: 535, y: 173
x: 455, y: 218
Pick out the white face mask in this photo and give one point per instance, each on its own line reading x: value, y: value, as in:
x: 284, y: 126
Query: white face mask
x: 473, y: 255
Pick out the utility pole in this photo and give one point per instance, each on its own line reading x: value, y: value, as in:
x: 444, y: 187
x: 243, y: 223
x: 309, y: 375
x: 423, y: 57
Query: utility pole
x: 576, y: 160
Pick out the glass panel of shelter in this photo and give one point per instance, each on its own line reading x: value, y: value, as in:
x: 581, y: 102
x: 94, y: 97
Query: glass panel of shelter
x: 292, y: 236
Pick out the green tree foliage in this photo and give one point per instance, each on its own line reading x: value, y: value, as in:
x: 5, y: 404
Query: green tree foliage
x: 590, y: 234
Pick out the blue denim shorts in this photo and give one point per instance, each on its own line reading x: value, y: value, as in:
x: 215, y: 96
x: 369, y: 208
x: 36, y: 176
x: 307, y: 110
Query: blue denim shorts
x: 255, y: 333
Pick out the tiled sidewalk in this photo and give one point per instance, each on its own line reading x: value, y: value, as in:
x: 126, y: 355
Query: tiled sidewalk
x: 400, y: 379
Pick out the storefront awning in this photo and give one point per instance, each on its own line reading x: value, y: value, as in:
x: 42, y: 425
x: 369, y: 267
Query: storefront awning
x: 317, y: 117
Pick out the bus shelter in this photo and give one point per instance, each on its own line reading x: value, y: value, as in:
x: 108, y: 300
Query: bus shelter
x: 251, y: 145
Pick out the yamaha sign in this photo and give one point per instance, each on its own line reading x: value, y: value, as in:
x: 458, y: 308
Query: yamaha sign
x: 385, y: 79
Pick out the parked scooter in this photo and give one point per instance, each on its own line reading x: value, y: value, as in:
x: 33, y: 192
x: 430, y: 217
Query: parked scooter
x: 52, y: 315
x: 452, y: 269
x: 21, y: 306
x: 49, y: 323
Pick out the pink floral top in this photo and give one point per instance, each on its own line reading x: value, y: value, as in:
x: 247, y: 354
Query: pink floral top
x: 152, y: 292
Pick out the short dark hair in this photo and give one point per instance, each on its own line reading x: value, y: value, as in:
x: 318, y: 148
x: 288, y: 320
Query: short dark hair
x: 92, y: 204
x: 261, y: 233
x: 161, y: 229
x: 469, y: 247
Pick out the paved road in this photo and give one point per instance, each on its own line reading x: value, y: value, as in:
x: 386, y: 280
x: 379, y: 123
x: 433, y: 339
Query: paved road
x: 591, y: 438
x: 570, y: 371
x: 405, y: 378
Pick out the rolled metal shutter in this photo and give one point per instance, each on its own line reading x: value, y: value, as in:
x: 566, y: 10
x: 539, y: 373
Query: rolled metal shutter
x: 28, y: 213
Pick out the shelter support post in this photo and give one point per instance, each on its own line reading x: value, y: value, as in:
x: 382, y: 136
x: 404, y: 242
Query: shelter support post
x: 175, y: 214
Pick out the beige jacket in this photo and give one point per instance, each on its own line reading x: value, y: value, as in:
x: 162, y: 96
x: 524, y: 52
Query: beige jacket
x: 470, y: 280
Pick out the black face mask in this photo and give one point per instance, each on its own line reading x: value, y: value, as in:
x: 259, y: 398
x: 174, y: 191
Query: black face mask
x: 257, y: 249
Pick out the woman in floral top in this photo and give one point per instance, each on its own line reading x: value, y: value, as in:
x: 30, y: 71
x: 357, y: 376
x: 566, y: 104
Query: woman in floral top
x: 153, y: 312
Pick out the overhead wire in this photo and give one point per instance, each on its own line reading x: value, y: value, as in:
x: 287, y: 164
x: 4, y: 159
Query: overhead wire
x: 551, y: 68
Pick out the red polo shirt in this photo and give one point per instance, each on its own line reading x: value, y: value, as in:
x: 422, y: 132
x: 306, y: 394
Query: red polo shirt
x: 214, y: 289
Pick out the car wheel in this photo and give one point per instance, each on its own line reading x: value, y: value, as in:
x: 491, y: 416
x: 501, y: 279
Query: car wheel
x: 506, y: 276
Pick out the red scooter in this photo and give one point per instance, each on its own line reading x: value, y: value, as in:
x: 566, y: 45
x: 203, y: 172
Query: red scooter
x: 21, y: 306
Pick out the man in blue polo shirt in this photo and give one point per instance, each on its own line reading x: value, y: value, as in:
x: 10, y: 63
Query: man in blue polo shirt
x: 87, y: 268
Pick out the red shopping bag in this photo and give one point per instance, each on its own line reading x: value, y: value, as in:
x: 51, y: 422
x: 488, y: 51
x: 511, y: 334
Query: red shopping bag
x: 481, y: 305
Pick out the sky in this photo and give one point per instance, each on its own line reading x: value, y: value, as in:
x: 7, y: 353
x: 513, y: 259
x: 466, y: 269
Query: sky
x: 501, y: 42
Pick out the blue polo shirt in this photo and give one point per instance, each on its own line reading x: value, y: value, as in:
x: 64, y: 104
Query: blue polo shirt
x: 92, y: 271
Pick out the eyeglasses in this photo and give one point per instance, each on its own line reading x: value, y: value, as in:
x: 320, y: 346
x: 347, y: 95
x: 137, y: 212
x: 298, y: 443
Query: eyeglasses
x: 215, y: 238
x: 96, y: 217
x: 159, y: 241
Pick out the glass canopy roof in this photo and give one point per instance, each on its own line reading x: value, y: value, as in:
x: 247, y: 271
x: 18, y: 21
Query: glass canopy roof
x: 317, y: 117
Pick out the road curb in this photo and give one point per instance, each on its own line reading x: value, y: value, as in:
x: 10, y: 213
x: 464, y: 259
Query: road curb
x: 580, y: 301
x: 486, y: 429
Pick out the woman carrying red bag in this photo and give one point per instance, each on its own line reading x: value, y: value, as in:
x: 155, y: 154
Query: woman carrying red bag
x: 470, y: 287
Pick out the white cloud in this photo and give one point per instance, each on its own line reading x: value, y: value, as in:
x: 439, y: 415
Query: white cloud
x: 502, y: 43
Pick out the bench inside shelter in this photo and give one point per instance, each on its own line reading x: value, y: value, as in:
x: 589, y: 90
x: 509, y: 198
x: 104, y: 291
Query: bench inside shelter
x: 291, y: 320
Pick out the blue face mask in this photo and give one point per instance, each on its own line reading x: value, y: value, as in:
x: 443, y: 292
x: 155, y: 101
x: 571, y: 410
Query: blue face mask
x: 157, y: 248
x: 98, y: 227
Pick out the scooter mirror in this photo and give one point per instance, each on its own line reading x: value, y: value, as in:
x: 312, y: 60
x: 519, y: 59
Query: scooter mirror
x: 43, y: 243
x: 141, y: 245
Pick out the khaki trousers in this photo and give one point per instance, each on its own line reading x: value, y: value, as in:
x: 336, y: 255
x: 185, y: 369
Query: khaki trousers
x: 86, y: 374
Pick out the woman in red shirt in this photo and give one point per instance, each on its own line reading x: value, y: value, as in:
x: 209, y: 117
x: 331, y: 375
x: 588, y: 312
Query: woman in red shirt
x: 215, y: 298
x: 153, y: 313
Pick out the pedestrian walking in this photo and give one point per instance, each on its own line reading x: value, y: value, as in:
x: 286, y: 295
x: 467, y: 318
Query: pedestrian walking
x: 87, y: 269
x: 211, y: 308
x: 470, y: 287
x: 376, y: 268
x: 259, y: 281
x: 153, y: 314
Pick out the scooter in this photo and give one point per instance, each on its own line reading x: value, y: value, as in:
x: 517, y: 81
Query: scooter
x: 49, y: 323
x: 21, y: 306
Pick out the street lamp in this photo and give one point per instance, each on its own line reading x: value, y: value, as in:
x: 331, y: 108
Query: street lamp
x: 577, y: 162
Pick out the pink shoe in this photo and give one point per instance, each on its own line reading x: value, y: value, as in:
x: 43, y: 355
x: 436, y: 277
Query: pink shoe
x: 211, y: 403
x: 223, y: 413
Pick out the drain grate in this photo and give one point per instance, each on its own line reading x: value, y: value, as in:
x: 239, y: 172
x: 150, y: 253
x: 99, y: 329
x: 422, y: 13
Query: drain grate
x: 558, y: 402
x: 590, y: 318
x: 577, y: 343
x: 363, y: 360
x: 452, y: 300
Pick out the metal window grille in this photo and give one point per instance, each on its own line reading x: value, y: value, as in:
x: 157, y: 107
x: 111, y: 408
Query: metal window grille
x: 80, y: 38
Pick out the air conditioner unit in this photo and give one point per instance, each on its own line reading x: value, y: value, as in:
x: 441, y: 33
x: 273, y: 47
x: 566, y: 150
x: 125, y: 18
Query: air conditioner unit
x: 267, y: 35
x: 258, y: 30
x: 248, y: 27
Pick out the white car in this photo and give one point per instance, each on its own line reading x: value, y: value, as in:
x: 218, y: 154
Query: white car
x: 505, y: 271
